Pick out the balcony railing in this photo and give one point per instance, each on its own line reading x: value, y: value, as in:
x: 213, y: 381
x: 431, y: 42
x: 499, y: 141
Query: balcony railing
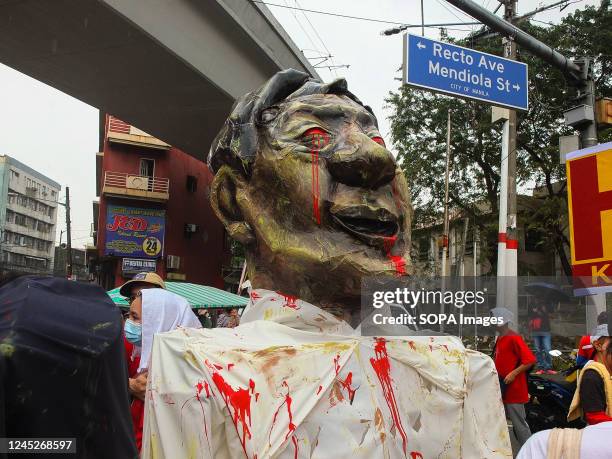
x: 136, y: 185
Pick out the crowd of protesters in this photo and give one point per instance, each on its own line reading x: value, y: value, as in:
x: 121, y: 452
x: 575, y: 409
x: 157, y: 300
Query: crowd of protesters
x: 69, y: 374
x: 592, y: 399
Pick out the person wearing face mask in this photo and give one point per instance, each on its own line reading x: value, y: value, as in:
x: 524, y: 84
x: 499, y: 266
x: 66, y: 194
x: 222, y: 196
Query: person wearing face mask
x: 130, y: 290
x: 152, y: 311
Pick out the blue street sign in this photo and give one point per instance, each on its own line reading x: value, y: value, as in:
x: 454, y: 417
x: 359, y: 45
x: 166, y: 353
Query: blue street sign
x: 463, y: 72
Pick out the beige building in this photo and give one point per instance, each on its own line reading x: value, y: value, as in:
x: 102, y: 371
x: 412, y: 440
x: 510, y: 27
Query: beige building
x: 470, y: 250
x: 28, y: 216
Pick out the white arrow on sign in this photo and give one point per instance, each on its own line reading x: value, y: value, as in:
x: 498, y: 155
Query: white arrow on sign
x: 421, y: 45
x: 516, y: 87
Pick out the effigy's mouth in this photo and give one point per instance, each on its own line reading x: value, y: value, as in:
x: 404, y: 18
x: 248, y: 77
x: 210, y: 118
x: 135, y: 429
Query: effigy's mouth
x: 371, y: 224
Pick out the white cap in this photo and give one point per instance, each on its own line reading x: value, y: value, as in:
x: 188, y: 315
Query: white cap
x: 599, y: 331
x: 505, y: 314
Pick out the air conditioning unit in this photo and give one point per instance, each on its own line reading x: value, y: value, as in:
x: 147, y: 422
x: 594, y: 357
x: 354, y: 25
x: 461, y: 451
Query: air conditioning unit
x: 137, y: 182
x: 173, y: 262
x: 191, y: 228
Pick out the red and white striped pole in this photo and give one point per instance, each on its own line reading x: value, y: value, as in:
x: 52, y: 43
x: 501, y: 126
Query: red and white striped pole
x: 503, y: 216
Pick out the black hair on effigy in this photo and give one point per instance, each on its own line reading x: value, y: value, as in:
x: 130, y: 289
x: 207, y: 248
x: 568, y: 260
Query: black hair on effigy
x: 237, y: 141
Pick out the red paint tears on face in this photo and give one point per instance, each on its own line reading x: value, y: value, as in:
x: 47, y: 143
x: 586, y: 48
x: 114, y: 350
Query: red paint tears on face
x: 347, y: 382
x: 318, y: 138
x: 382, y: 368
x: 399, y: 264
x: 238, y: 402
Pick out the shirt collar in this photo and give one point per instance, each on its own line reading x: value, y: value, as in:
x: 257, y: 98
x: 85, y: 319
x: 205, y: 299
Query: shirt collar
x: 292, y: 312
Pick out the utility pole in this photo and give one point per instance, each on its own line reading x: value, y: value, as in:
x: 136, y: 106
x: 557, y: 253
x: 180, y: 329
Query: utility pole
x: 446, y: 222
x: 511, y: 243
x: 578, y: 72
x: 422, y: 20
x: 68, y: 237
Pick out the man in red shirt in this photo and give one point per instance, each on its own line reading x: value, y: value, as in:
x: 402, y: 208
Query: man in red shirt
x: 513, y: 360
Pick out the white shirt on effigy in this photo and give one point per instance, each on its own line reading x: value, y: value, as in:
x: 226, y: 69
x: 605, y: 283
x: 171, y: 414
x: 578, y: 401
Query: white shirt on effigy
x: 292, y: 381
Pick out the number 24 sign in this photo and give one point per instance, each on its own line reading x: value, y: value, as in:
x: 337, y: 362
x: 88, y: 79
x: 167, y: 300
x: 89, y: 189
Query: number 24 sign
x: 151, y: 246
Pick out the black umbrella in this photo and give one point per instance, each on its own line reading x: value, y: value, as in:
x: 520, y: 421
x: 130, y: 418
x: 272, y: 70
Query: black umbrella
x: 547, y: 291
x: 62, y: 366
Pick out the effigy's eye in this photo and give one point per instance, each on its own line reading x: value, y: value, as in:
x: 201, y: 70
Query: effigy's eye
x: 379, y: 140
x: 316, y: 137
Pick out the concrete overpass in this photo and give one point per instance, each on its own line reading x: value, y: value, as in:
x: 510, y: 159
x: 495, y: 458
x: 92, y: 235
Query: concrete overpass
x: 171, y: 67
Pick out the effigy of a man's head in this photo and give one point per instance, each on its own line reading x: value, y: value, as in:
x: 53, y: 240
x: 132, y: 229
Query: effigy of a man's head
x: 303, y: 179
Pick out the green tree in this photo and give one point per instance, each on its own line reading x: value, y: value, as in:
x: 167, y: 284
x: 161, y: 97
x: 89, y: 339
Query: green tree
x: 418, y: 131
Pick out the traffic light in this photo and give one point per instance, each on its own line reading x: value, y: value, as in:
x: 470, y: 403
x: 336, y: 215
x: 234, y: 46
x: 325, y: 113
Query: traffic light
x: 603, y: 111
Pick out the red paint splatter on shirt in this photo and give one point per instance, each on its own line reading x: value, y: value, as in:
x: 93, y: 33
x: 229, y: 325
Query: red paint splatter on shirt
x: 290, y: 301
x: 295, y: 445
x: 382, y: 368
x: 200, y: 386
x: 291, y: 426
x: 238, y: 402
x: 229, y: 366
x: 416, y: 455
x: 412, y: 346
x: 319, y: 390
x: 255, y: 296
x: 347, y: 382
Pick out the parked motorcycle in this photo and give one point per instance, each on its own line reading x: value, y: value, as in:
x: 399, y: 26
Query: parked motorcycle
x: 550, y: 397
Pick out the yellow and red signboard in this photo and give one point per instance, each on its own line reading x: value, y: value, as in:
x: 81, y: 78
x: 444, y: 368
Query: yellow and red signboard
x: 589, y: 189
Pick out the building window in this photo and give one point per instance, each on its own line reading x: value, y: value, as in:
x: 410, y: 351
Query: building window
x: 192, y: 184
x: 424, y: 246
x: 147, y: 167
x: 534, y: 241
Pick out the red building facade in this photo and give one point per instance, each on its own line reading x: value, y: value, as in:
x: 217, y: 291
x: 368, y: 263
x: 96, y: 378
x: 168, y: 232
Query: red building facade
x: 153, y: 212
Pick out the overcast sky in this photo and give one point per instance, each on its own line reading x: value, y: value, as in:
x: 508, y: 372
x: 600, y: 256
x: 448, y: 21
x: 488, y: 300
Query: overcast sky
x: 58, y: 135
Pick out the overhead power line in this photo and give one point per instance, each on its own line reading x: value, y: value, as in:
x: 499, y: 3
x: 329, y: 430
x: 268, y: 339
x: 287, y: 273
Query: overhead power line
x: 357, y: 18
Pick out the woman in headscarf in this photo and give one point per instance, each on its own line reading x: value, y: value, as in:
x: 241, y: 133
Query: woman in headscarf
x: 152, y: 311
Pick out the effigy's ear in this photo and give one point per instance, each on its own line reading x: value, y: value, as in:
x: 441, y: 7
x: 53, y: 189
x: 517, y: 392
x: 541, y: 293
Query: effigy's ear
x: 224, y: 189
